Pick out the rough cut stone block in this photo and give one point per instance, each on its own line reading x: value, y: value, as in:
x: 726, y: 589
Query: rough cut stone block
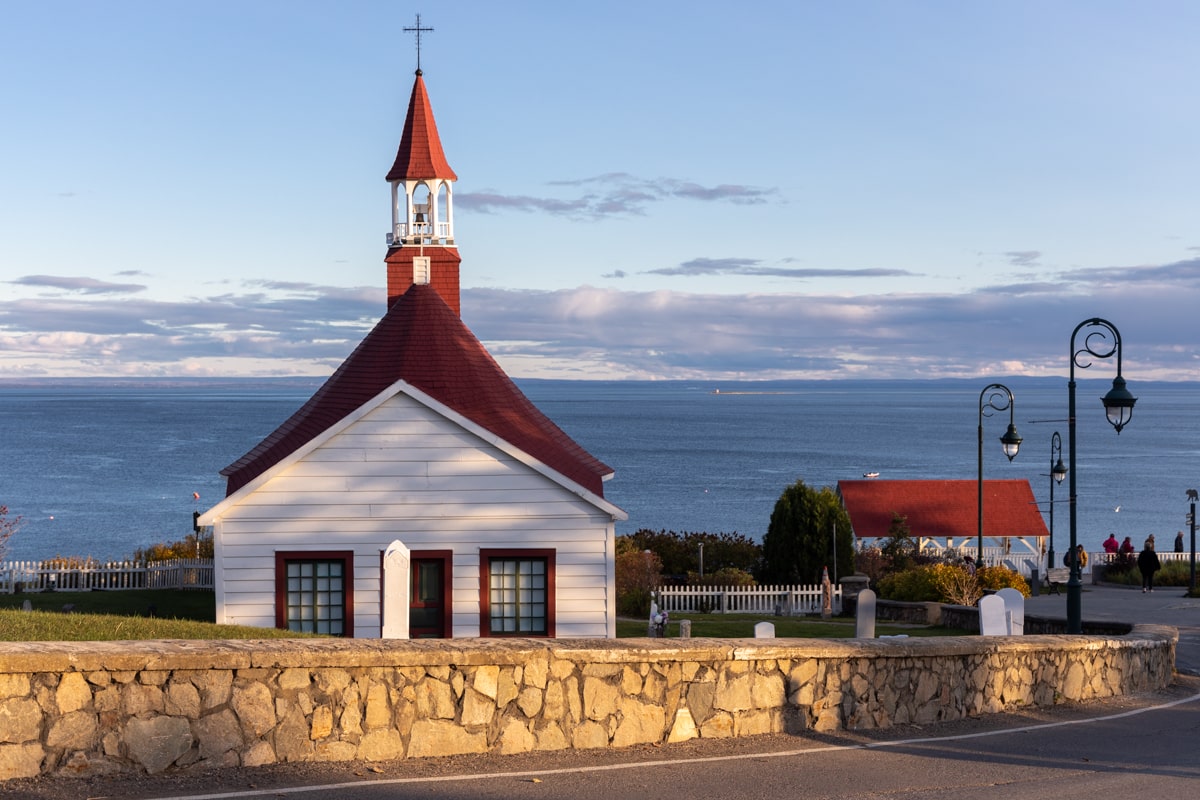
x: 718, y: 726
x: 20, y: 720
x: 74, y: 731
x: 335, y: 751
x: 294, y: 679
x: 292, y: 742
x: 530, y: 701
x: 218, y: 733
x: 322, y: 723
x: 13, y: 685
x: 379, y: 714
x: 641, y: 723
x: 536, y: 672
x: 138, y: 700
x: 506, y: 689
x: 684, y: 727
x: 21, y: 760
x: 73, y: 693
x: 182, y: 700
x: 254, y: 707
x: 599, y: 698
x: 443, y: 738
x: 259, y: 754
x: 516, y: 738
x: 551, y: 737
x: 589, y: 736
x: 435, y: 700
x: 156, y: 743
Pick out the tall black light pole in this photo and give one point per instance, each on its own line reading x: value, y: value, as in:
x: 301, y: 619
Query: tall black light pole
x: 1191, y: 519
x: 1058, y: 471
x: 995, y: 397
x: 1118, y: 407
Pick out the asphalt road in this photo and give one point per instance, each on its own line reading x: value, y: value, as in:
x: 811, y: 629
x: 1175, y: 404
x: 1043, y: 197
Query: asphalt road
x: 1126, y: 747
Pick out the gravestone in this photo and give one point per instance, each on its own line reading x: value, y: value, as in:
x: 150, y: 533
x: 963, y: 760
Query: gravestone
x: 397, y: 588
x: 764, y: 630
x: 992, y: 616
x: 864, y: 623
x: 27, y: 606
x: 826, y: 595
x: 1014, y: 606
x: 685, y: 629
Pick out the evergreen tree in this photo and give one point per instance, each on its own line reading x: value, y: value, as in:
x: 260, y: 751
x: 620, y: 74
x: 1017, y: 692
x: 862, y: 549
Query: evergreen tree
x: 799, y: 541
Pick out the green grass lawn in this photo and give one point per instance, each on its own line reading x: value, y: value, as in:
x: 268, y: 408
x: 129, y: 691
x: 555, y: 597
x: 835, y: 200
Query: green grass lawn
x: 171, y: 614
x: 733, y: 626
x: 119, y: 615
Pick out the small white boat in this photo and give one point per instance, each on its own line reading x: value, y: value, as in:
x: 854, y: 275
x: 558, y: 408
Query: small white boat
x: 870, y: 474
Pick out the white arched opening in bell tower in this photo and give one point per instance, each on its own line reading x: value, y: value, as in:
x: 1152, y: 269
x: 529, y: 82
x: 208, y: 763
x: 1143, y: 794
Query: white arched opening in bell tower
x: 425, y: 213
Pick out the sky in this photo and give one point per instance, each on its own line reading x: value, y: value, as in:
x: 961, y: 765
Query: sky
x: 646, y: 190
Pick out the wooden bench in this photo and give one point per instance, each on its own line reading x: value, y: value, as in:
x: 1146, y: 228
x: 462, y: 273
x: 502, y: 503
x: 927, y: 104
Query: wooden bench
x: 1056, y: 576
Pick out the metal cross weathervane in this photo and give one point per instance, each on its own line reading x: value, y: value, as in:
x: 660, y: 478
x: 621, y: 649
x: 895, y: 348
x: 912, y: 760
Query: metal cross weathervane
x: 418, y: 30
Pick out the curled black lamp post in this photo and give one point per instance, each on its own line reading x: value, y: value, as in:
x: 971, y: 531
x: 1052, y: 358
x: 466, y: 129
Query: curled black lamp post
x: 995, y: 397
x: 1103, y: 343
x: 1058, y: 471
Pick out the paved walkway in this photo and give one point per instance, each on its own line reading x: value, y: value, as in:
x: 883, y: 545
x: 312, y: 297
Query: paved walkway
x: 1106, y: 602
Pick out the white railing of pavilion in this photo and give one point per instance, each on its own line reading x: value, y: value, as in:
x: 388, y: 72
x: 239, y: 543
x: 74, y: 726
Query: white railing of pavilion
x: 1018, y: 561
x: 1024, y: 563
x: 773, y: 600
x: 86, y: 575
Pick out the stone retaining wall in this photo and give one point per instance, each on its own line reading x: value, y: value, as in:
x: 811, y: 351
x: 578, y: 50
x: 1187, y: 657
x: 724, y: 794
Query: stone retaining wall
x: 82, y: 708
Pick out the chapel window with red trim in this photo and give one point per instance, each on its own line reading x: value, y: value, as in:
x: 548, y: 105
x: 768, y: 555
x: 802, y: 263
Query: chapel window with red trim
x: 517, y: 593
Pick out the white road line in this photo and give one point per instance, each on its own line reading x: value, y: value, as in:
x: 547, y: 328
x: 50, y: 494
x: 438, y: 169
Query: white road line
x: 286, y: 792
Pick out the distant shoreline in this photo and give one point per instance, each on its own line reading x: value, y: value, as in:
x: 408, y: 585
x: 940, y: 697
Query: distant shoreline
x: 161, y: 383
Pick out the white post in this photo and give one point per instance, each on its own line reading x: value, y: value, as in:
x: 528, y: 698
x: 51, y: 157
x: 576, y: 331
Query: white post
x: 397, y: 585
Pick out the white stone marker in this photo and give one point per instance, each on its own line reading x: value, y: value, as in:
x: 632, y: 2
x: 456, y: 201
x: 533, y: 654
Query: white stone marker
x: 397, y: 584
x: 764, y: 630
x: 1014, y: 606
x: 992, y: 617
x: 864, y: 619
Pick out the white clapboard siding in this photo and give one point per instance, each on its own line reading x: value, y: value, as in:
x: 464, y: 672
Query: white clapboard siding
x: 406, y: 472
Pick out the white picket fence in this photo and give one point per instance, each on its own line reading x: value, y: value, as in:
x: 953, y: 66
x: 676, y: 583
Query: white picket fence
x: 774, y: 600
x: 86, y: 575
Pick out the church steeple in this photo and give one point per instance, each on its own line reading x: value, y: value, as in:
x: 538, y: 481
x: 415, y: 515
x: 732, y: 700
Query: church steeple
x: 421, y: 246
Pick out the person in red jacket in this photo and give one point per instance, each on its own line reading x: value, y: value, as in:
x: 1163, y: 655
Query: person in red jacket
x: 1110, y: 544
x: 1127, y: 547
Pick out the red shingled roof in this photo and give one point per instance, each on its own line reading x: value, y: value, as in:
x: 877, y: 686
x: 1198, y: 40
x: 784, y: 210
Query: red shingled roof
x: 422, y: 341
x: 420, y: 155
x: 940, y: 509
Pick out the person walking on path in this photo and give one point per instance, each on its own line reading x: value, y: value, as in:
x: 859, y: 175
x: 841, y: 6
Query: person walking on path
x: 1179, y: 542
x: 1110, y: 544
x: 1148, y: 564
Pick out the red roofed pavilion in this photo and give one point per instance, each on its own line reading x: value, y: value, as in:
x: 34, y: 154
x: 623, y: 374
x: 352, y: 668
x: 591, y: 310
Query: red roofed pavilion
x: 418, y: 493
x: 945, y: 511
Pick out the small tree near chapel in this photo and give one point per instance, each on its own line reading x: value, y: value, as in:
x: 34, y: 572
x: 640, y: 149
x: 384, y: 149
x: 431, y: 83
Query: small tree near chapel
x: 799, y: 542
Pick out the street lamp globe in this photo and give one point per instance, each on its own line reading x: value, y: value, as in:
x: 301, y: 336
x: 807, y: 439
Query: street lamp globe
x: 1011, y: 441
x: 1059, y: 471
x: 1118, y: 404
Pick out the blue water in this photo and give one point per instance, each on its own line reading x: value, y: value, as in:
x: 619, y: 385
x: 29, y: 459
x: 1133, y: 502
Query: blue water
x: 101, y: 469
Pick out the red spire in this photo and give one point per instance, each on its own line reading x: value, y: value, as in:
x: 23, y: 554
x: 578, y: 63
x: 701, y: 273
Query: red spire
x: 420, y: 154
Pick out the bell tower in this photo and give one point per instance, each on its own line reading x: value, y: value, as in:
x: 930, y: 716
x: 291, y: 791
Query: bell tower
x: 421, y: 248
